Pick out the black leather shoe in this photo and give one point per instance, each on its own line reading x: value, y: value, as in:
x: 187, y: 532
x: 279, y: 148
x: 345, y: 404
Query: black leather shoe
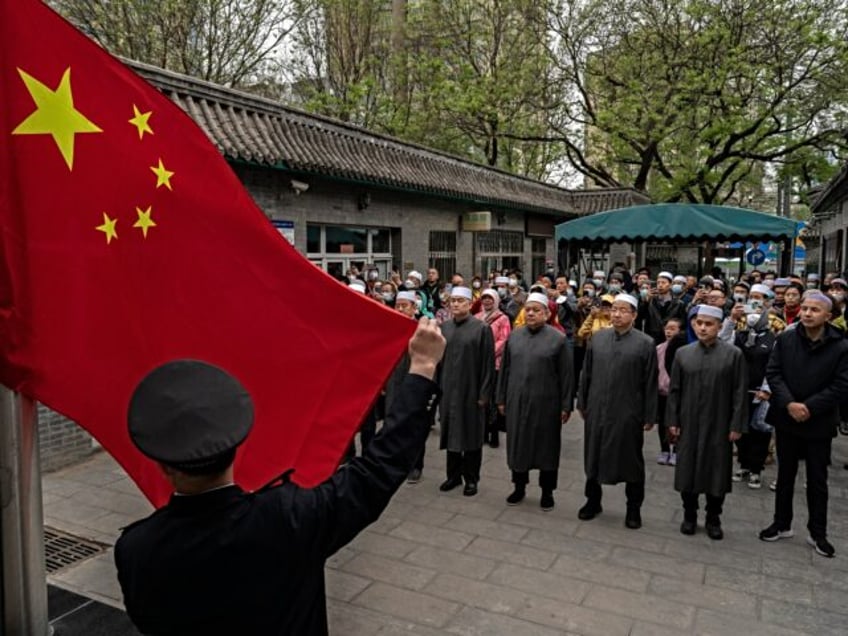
x: 688, y: 527
x: 714, y: 531
x: 450, y: 484
x: 470, y: 489
x: 589, y: 511
x: 516, y: 497
x: 633, y: 519
x: 547, y: 501
x: 494, y: 440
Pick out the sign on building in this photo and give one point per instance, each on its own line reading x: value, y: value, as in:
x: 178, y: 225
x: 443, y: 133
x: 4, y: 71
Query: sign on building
x: 477, y: 221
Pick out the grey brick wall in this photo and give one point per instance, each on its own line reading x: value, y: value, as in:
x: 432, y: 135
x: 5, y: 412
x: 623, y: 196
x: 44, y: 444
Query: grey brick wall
x: 62, y: 442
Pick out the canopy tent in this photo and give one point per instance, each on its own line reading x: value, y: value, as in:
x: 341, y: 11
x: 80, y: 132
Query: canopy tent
x: 674, y: 223
x: 677, y: 223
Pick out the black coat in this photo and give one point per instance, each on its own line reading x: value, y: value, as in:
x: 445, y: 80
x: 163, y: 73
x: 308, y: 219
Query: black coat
x: 230, y: 562
x: 653, y: 314
x: 814, y: 373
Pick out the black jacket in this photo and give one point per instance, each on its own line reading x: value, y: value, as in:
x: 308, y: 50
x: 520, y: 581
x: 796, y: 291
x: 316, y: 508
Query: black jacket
x: 230, y: 562
x: 814, y: 373
x: 652, y: 315
x: 757, y: 352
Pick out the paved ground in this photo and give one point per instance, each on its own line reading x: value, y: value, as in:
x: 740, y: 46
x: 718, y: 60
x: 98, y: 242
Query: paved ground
x: 444, y: 564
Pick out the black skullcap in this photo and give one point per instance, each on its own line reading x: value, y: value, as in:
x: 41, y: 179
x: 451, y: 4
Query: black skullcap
x: 187, y: 414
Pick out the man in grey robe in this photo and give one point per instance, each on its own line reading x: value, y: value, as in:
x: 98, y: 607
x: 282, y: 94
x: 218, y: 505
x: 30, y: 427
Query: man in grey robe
x: 467, y: 375
x: 535, y: 394
x: 621, y: 362
x: 706, y: 413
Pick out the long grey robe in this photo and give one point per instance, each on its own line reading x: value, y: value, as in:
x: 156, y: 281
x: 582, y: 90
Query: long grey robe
x: 466, y: 375
x: 618, y: 391
x: 707, y: 399
x: 535, y: 383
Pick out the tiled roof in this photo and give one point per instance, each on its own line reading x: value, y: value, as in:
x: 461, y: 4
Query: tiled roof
x: 594, y: 201
x: 822, y: 203
x: 260, y: 131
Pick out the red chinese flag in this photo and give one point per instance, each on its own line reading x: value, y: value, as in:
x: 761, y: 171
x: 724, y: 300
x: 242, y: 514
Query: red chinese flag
x: 128, y: 242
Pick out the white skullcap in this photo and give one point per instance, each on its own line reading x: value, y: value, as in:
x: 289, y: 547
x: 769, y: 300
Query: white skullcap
x: 679, y: 279
x: 461, y: 292
x: 572, y: 283
x: 491, y: 293
x: 627, y: 298
x: 536, y: 297
x: 667, y: 275
x: 501, y: 280
x: 415, y: 274
x: 812, y: 276
x: 407, y: 295
x: 357, y: 286
x: 760, y: 289
x: 817, y: 296
x: 598, y: 273
x: 712, y: 312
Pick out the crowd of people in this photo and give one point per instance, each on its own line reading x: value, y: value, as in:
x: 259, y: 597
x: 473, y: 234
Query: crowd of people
x: 758, y: 364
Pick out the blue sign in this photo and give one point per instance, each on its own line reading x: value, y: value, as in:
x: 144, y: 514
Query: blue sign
x: 756, y: 257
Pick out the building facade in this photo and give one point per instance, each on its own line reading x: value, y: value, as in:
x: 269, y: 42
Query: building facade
x: 827, y: 238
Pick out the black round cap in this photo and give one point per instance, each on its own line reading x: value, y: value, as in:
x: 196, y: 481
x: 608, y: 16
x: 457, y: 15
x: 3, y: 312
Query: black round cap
x: 187, y: 413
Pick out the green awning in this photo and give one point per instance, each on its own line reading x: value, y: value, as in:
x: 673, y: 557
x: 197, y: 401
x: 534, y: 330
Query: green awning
x: 677, y: 223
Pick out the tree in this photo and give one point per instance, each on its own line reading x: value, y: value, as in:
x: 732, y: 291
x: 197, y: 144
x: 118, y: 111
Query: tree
x: 689, y: 99
x: 229, y: 42
x: 461, y: 76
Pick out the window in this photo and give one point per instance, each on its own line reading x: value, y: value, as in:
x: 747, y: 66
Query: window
x: 538, y: 248
x: 442, y: 253
x: 336, y: 248
x: 499, y: 250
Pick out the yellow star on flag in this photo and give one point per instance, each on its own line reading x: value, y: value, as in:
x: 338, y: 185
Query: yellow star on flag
x: 108, y: 228
x: 55, y: 115
x: 140, y: 121
x: 144, y: 221
x: 163, y: 176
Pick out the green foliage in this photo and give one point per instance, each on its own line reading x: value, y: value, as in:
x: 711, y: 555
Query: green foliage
x: 689, y: 99
x: 230, y: 42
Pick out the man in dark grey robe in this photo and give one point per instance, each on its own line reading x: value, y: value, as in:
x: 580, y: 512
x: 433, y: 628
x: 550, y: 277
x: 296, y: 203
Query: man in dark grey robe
x: 467, y: 375
x: 706, y: 413
x: 535, y: 394
x: 621, y: 361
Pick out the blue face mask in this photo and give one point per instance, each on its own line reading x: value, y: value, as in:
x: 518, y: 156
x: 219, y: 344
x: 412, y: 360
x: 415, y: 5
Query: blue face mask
x: 615, y: 288
x: 677, y: 289
x: 644, y: 293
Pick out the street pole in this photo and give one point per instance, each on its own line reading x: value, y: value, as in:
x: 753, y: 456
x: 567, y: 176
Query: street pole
x: 23, y: 582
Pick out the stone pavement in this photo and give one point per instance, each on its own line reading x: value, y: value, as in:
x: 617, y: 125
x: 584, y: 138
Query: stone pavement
x: 438, y: 563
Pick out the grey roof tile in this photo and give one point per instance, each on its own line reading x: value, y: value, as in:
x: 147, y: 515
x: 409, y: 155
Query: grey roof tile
x: 256, y: 130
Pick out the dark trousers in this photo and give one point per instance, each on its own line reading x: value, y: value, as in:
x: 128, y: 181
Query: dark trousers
x: 816, y: 452
x: 465, y: 464
x: 690, y: 506
x: 634, y: 490
x: 662, y: 431
x: 367, y: 431
x: 547, y: 479
x: 753, y: 449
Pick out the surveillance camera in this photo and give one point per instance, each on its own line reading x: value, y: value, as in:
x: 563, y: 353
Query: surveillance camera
x: 299, y: 186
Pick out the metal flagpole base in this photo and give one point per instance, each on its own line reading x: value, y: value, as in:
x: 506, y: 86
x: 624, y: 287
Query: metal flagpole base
x: 23, y: 582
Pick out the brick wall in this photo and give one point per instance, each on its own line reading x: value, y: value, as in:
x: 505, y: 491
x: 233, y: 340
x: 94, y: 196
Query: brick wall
x: 61, y: 441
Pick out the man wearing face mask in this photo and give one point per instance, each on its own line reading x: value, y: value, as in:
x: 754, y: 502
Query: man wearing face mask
x: 507, y: 303
x: 431, y: 289
x: 599, y: 277
x: 812, y: 281
x: 678, y: 288
x: 756, y: 342
x: 759, y: 301
x: 616, y: 284
x: 660, y: 306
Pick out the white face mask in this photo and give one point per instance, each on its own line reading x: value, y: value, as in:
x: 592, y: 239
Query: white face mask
x: 373, y: 275
x: 502, y: 292
x: 388, y: 296
x: 598, y: 281
x: 411, y: 284
x: 752, y: 320
x: 615, y: 288
x: 838, y: 295
x: 589, y: 292
x: 476, y: 284
x: 740, y: 298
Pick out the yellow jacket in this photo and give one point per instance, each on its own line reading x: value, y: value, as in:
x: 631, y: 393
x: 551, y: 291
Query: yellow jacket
x: 592, y: 325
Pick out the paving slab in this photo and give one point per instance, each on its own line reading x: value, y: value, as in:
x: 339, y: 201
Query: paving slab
x: 441, y: 563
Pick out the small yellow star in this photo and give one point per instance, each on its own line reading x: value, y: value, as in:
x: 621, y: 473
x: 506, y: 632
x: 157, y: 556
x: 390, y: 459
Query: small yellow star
x: 140, y: 121
x: 144, y: 221
x: 108, y: 228
x: 163, y: 176
x: 55, y: 115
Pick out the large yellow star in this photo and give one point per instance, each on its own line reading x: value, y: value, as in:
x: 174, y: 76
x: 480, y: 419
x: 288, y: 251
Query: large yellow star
x: 163, y: 176
x: 55, y: 115
x: 140, y: 121
x: 108, y: 228
x: 144, y: 221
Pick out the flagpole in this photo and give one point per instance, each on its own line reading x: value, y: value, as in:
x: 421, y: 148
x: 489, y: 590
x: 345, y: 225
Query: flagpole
x: 23, y: 581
